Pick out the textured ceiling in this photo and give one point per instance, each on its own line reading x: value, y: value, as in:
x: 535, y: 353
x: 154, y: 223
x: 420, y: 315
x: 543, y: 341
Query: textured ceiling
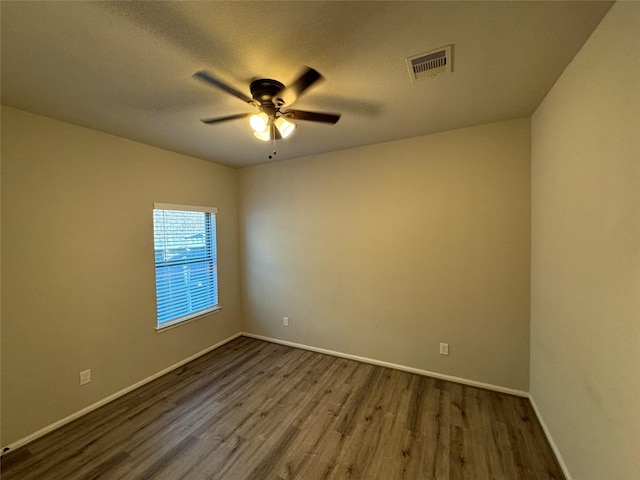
x: 126, y: 68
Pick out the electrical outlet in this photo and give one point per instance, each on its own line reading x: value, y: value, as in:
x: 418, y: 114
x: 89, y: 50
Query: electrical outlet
x: 85, y: 377
x: 285, y: 321
x: 444, y: 349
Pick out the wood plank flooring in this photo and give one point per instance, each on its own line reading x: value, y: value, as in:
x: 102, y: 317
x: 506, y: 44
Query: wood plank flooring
x: 256, y: 410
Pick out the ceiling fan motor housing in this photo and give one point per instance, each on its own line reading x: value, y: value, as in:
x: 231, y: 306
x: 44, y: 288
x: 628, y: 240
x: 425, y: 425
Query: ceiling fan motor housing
x: 263, y: 91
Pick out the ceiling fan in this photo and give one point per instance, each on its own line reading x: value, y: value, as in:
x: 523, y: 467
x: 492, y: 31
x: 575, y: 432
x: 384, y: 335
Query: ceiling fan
x: 270, y: 96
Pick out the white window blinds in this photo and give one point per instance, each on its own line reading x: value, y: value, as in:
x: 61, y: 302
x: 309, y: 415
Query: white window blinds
x: 185, y: 261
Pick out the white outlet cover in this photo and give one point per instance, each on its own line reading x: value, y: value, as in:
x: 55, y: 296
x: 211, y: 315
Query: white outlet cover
x: 285, y: 321
x: 444, y: 349
x: 85, y: 377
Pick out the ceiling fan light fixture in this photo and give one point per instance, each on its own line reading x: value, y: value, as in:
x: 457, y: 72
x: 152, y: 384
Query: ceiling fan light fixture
x: 264, y: 135
x: 260, y: 123
x: 285, y: 127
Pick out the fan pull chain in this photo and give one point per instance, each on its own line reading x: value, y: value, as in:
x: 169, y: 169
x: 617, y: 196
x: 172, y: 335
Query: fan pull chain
x: 273, y: 140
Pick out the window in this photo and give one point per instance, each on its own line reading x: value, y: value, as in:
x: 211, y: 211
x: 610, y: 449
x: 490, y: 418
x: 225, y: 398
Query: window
x: 184, y: 240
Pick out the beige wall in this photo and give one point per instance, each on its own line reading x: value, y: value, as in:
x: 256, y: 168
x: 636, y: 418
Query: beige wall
x: 585, y: 284
x: 77, y: 265
x: 387, y: 250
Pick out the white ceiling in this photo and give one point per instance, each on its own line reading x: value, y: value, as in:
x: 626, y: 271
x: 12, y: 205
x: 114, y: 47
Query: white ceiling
x: 126, y: 68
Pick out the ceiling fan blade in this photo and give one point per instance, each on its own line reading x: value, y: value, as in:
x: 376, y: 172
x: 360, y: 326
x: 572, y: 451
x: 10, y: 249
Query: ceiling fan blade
x: 312, y: 116
x: 289, y: 94
x: 225, y: 119
x: 209, y: 78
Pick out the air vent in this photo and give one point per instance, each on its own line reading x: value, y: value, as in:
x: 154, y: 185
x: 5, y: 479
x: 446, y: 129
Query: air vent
x: 430, y: 64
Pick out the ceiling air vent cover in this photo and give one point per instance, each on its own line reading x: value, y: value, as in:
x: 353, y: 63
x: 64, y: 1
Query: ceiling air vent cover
x: 430, y: 64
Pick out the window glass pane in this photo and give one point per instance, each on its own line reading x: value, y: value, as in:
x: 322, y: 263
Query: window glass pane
x: 185, y: 259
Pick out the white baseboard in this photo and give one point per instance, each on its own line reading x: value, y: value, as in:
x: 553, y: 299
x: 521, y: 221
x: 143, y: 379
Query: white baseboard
x: 110, y: 398
x: 395, y: 366
x: 554, y: 447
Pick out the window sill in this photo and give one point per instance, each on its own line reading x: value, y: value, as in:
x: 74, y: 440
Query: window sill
x: 179, y: 323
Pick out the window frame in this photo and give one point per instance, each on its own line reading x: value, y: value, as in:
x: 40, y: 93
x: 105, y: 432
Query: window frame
x: 211, y: 243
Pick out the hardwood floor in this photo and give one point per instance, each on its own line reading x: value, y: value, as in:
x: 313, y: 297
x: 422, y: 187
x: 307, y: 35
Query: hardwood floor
x: 256, y: 410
